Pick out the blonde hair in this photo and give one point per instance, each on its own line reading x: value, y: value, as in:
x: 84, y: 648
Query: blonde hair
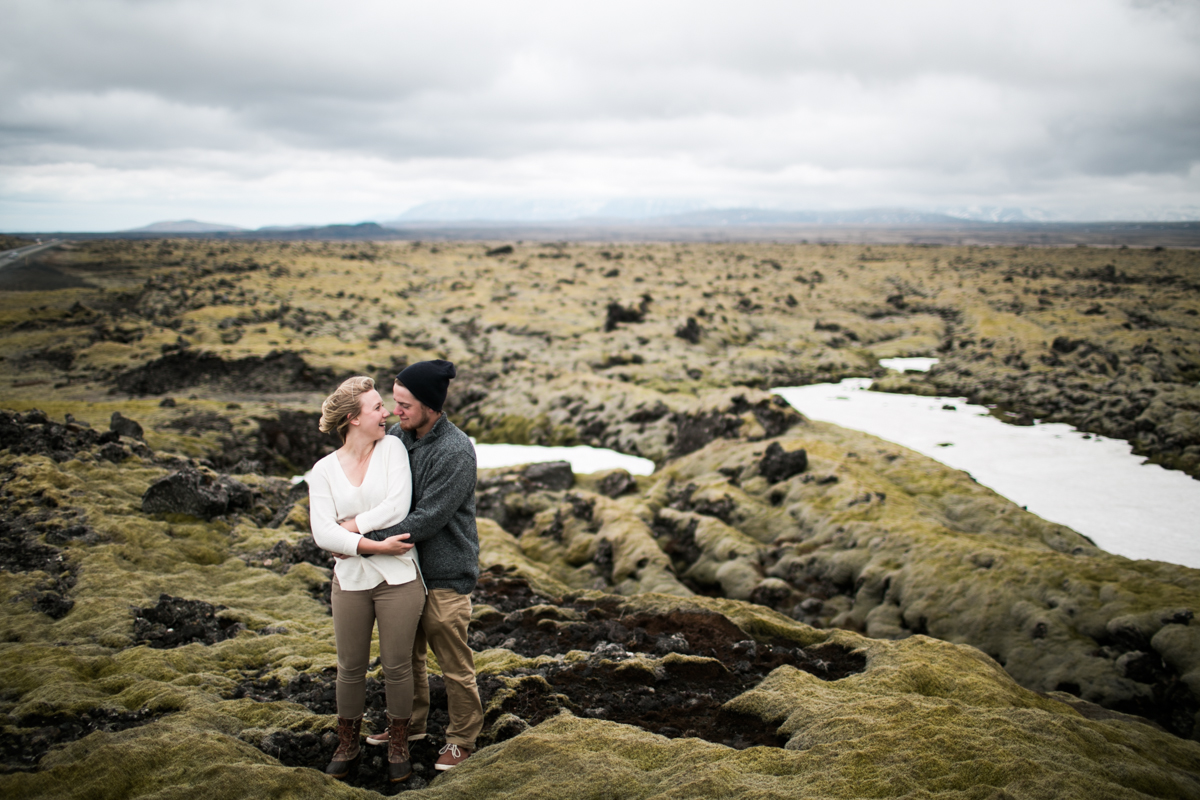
x: 344, y: 405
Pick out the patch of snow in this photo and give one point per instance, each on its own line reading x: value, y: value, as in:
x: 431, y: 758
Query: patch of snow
x: 1094, y: 485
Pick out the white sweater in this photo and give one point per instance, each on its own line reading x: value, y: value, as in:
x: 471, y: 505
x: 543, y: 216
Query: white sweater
x: 381, y: 501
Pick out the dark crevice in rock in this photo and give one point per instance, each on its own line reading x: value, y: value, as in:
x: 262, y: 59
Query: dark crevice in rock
x: 678, y: 542
x: 1170, y: 703
x: 681, y: 499
x: 778, y: 464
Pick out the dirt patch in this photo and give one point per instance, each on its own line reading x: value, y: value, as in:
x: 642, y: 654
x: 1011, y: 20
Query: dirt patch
x: 33, y: 433
x: 670, y: 697
x: 275, y: 373
x: 674, y: 696
x: 174, y: 622
x: 20, y: 551
x: 505, y: 593
x: 684, y: 704
x: 318, y: 693
x: 23, y: 745
x: 694, y: 432
x: 283, y: 555
x: 199, y: 423
x: 31, y: 276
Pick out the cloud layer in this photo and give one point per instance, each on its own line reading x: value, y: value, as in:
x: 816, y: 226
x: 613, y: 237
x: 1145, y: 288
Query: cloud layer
x: 118, y: 113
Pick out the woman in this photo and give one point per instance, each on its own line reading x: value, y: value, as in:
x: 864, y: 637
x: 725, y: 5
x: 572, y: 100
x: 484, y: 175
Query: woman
x: 363, y: 486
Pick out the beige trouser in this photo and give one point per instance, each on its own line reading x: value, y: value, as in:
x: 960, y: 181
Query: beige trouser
x: 444, y: 629
x: 398, y: 609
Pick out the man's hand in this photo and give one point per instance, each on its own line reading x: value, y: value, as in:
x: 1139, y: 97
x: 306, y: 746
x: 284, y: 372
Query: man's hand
x: 395, y: 545
x: 391, y: 546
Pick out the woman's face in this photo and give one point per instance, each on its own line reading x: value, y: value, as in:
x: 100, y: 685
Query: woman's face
x: 372, y: 416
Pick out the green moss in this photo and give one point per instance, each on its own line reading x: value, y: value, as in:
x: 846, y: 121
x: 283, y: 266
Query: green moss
x: 1021, y: 753
x: 515, y: 429
x: 181, y: 756
x: 498, y: 547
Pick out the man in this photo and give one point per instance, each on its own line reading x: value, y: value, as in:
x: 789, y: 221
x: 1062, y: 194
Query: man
x: 442, y: 526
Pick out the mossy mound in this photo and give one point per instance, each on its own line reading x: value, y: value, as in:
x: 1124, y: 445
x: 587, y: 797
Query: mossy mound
x: 184, y: 755
x: 1018, y: 754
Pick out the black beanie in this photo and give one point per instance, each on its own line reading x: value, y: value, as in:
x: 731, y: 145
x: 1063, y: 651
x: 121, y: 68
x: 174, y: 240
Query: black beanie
x: 428, y: 380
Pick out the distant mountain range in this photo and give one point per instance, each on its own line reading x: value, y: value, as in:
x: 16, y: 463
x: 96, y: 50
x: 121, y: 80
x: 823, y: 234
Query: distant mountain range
x: 543, y: 210
x: 722, y: 217
x: 185, y: 226
x: 647, y: 219
x: 668, y: 212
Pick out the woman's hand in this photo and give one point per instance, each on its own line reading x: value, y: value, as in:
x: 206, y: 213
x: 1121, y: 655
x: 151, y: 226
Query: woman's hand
x: 391, y: 546
x: 350, y: 525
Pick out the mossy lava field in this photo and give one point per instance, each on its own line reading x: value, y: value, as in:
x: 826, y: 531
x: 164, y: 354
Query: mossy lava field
x: 784, y: 608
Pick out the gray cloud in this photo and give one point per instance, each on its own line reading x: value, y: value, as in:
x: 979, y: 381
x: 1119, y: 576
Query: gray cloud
x: 256, y: 108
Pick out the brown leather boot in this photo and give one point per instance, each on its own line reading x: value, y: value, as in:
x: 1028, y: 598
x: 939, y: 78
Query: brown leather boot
x: 399, y: 762
x: 347, y: 750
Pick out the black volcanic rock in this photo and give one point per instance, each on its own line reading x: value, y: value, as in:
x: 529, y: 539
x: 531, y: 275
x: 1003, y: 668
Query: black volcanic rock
x: 689, y: 332
x: 617, y: 483
x: 553, y: 475
x: 196, y: 493
x: 778, y: 464
x: 124, y: 426
x: 175, y: 621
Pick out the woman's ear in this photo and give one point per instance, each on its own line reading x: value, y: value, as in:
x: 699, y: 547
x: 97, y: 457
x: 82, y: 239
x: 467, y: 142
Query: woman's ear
x: 355, y: 421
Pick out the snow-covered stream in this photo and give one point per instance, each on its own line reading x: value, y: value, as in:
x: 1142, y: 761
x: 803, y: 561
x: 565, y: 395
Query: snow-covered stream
x: 1091, y: 484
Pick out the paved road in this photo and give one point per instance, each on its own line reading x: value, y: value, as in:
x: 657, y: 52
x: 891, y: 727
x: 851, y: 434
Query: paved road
x: 10, y: 257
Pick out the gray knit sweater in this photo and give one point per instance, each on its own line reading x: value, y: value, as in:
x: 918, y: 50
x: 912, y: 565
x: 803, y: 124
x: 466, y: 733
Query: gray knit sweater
x: 442, y: 519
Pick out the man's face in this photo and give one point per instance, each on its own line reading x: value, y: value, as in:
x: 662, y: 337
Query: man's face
x: 414, y: 415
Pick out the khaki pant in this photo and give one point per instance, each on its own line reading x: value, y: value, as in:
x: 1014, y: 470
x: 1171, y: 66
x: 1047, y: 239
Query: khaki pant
x: 444, y: 629
x: 398, y: 609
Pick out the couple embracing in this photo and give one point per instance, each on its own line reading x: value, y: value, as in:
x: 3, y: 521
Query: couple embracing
x: 397, y: 509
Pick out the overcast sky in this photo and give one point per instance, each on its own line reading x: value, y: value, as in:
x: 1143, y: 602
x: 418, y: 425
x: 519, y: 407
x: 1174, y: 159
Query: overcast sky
x: 116, y: 114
